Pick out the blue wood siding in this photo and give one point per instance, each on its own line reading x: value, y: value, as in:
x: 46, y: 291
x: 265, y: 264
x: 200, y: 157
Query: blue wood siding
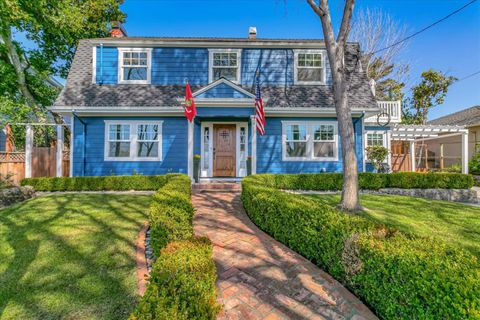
x: 107, y: 65
x: 222, y: 90
x: 2, y: 140
x: 174, y: 65
x: 222, y: 112
x: 89, y: 160
x: 269, y: 150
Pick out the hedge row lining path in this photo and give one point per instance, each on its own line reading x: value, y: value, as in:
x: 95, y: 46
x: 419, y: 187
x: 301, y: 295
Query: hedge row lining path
x: 258, y: 277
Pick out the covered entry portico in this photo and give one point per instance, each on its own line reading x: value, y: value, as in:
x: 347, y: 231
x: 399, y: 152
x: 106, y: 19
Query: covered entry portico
x: 419, y: 135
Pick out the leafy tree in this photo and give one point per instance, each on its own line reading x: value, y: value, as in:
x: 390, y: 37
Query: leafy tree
x: 336, y: 48
x: 38, y: 40
x: 430, y: 92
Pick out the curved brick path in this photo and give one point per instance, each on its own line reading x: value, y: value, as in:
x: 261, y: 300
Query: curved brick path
x: 258, y: 277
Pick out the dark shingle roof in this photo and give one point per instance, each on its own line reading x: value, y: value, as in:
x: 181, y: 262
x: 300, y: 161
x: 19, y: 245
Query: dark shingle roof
x: 467, y: 117
x: 80, y: 91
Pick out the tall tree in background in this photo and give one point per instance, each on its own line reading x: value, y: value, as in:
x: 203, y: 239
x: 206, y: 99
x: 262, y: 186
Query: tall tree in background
x: 38, y: 40
x: 336, y: 56
x: 379, y: 36
x: 430, y: 92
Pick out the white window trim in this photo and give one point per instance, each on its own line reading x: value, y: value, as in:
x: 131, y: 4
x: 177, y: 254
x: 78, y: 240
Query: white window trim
x: 120, y: 65
x: 133, y: 140
x: 384, y: 143
x: 310, y: 136
x: 296, y: 52
x: 210, y: 63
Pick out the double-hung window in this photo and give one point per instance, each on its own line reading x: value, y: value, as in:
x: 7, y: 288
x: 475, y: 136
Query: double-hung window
x: 224, y: 63
x: 309, y: 67
x: 375, y: 139
x: 310, y: 140
x: 134, y: 65
x: 133, y: 140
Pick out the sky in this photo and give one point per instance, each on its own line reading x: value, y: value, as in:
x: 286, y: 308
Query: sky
x: 452, y: 46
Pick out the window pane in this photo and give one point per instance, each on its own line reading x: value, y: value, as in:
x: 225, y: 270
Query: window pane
x: 147, y: 149
x: 119, y: 149
x: 309, y: 74
x: 119, y: 132
x: 374, y: 139
x: 225, y: 59
x: 323, y: 149
x: 228, y: 73
x: 324, y: 132
x: 134, y: 73
x: 296, y: 132
x: 147, y: 132
x: 296, y: 149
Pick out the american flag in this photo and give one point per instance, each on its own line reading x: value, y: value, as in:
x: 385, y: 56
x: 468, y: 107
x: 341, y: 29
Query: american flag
x: 260, y: 113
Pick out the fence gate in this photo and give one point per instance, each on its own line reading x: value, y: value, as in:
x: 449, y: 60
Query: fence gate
x: 401, y: 160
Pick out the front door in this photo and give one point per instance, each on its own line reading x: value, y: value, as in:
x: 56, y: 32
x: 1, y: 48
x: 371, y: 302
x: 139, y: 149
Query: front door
x: 224, y: 150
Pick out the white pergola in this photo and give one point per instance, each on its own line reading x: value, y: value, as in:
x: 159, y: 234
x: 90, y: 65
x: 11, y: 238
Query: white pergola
x: 420, y: 133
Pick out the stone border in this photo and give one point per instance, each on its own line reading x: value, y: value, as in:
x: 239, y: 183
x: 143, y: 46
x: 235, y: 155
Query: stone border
x: 9, y: 196
x: 141, y: 259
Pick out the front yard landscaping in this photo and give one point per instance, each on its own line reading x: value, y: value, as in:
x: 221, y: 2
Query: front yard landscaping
x: 453, y: 223
x: 70, y: 256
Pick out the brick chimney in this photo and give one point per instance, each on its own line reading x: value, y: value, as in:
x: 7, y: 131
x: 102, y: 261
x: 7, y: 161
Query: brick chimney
x: 117, y: 30
x: 252, y: 33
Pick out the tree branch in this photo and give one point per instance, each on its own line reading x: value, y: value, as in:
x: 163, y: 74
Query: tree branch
x: 316, y: 8
x: 345, y: 25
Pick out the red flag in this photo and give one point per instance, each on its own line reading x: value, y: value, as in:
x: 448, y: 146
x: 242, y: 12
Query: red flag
x: 189, y: 108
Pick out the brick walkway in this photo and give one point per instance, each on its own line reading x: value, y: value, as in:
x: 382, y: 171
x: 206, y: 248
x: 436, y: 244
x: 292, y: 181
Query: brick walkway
x: 259, y: 278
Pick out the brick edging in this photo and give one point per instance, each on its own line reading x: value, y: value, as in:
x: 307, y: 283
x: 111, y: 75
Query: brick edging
x: 141, y: 259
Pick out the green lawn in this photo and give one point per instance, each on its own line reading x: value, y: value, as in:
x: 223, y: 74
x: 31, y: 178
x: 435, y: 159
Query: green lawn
x: 70, y: 256
x: 455, y: 223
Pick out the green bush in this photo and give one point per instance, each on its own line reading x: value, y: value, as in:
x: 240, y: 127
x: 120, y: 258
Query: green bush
x: 106, y: 183
x: 182, y: 283
x: 400, y: 276
x: 182, y: 280
x: 367, y: 181
x: 474, y: 164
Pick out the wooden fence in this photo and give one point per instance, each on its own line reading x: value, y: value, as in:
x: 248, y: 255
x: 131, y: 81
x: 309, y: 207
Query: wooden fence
x: 44, y: 164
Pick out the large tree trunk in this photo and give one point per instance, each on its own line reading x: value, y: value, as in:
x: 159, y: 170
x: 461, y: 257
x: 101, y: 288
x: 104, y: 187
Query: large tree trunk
x: 336, y: 56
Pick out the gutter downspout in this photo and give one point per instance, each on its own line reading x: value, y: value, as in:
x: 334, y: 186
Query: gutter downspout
x: 84, y: 141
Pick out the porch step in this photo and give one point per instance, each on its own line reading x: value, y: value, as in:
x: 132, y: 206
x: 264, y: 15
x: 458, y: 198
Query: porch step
x: 216, y: 186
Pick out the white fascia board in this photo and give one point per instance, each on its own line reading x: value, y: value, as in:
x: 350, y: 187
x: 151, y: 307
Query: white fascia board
x: 115, y: 110
x: 206, y: 44
x: 280, y: 112
x: 225, y: 81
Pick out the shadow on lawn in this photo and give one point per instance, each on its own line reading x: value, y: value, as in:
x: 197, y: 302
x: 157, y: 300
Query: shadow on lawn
x: 70, y: 259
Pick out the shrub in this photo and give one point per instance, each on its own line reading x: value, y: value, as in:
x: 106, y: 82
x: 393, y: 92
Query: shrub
x: 399, y: 275
x: 377, y: 154
x: 106, y: 183
x: 474, y: 164
x: 367, y: 181
x: 182, y: 280
x: 182, y: 283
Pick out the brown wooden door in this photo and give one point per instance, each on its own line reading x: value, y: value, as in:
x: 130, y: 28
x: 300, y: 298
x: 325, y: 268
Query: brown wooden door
x: 401, y: 156
x: 224, y: 148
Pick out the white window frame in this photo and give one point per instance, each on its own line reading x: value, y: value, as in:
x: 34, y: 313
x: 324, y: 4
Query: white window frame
x: 384, y: 142
x: 133, y: 140
x: 121, y: 51
x: 310, y: 140
x: 295, y: 67
x: 210, y: 63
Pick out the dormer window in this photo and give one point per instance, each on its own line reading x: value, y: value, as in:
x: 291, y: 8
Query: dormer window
x: 134, y: 65
x: 224, y: 63
x: 310, y: 67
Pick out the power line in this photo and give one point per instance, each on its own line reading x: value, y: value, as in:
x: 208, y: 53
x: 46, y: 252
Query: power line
x: 426, y: 28
x: 469, y: 76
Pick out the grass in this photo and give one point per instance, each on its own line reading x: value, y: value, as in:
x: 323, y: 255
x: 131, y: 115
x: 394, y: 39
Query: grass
x: 70, y: 256
x: 455, y: 223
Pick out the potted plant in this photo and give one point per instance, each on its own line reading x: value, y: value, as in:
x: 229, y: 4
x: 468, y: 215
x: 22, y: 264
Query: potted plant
x: 249, y: 165
x: 377, y: 155
x: 196, y: 167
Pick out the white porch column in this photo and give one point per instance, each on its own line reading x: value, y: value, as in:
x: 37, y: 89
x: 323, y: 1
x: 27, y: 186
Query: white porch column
x: 60, y: 147
x: 465, y: 152
x: 389, y: 148
x: 412, y: 155
x: 190, y: 149
x: 254, y: 144
x: 28, y: 151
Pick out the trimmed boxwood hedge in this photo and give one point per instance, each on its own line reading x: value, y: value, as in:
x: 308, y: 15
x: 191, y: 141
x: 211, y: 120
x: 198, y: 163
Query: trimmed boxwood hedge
x: 182, y: 279
x: 369, y: 181
x: 106, y: 183
x: 399, y: 275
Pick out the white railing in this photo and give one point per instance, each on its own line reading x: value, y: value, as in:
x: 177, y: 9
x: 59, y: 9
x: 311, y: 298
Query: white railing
x: 391, y: 108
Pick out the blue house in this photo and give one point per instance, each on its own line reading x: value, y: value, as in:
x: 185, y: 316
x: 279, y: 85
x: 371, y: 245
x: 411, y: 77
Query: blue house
x: 125, y: 97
